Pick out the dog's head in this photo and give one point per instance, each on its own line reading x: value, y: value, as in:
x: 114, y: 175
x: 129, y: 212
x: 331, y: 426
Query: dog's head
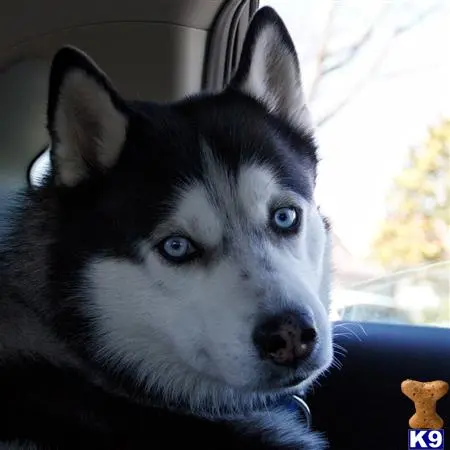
x: 191, y: 254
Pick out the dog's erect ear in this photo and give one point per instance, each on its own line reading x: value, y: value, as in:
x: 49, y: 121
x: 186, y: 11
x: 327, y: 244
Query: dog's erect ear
x: 86, y: 118
x: 269, y: 69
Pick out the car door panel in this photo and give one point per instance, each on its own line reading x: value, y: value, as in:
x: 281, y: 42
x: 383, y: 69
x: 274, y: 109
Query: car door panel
x: 361, y: 406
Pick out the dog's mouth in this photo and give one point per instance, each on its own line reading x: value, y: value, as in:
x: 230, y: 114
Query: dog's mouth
x: 284, y: 379
x: 281, y: 382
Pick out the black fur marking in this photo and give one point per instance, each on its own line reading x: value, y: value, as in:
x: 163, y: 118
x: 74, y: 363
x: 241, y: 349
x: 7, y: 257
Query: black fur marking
x: 256, y: 136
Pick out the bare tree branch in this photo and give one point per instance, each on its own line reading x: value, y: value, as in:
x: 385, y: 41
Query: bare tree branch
x: 323, y: 50
x: 353, y: 50
x: 349, y: 53
x: 356, y: 89
x: 362, y: 82
x: 416, y: 20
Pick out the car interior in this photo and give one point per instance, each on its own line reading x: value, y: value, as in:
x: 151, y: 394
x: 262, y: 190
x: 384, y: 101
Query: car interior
x: 163, y: 50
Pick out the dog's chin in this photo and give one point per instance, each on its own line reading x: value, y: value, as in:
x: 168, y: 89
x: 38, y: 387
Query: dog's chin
x: 277, y: 381
x: 286, y: 384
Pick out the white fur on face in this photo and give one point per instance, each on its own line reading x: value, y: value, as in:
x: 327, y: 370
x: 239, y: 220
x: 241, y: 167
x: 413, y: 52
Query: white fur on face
x: 187, y: 329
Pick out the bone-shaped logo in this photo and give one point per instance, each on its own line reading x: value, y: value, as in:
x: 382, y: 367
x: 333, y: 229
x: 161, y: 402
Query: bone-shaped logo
x: 425, y: 396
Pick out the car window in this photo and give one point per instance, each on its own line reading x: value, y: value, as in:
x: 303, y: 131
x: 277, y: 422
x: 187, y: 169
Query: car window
x: 376, y: 76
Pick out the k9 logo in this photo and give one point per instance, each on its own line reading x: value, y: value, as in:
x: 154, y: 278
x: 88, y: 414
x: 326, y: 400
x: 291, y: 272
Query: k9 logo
x: 418, y: 439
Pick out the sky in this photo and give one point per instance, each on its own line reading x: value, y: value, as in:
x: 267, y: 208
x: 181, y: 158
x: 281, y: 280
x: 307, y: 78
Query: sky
x: 365, y: 145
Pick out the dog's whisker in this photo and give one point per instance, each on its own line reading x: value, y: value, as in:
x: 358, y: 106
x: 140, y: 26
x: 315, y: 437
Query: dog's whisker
x: 340, y: 348
x: 349, y: 330
x: 343, y: 335
x: 346, y: 325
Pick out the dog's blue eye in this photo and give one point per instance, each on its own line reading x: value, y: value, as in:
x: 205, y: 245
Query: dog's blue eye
x: 177, y: 248
x: 285, y: 219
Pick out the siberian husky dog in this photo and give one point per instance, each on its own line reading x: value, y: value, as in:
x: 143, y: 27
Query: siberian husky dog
x: 168, y: 283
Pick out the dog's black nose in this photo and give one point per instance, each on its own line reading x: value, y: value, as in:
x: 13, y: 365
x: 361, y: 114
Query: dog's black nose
x: 286, y: 339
